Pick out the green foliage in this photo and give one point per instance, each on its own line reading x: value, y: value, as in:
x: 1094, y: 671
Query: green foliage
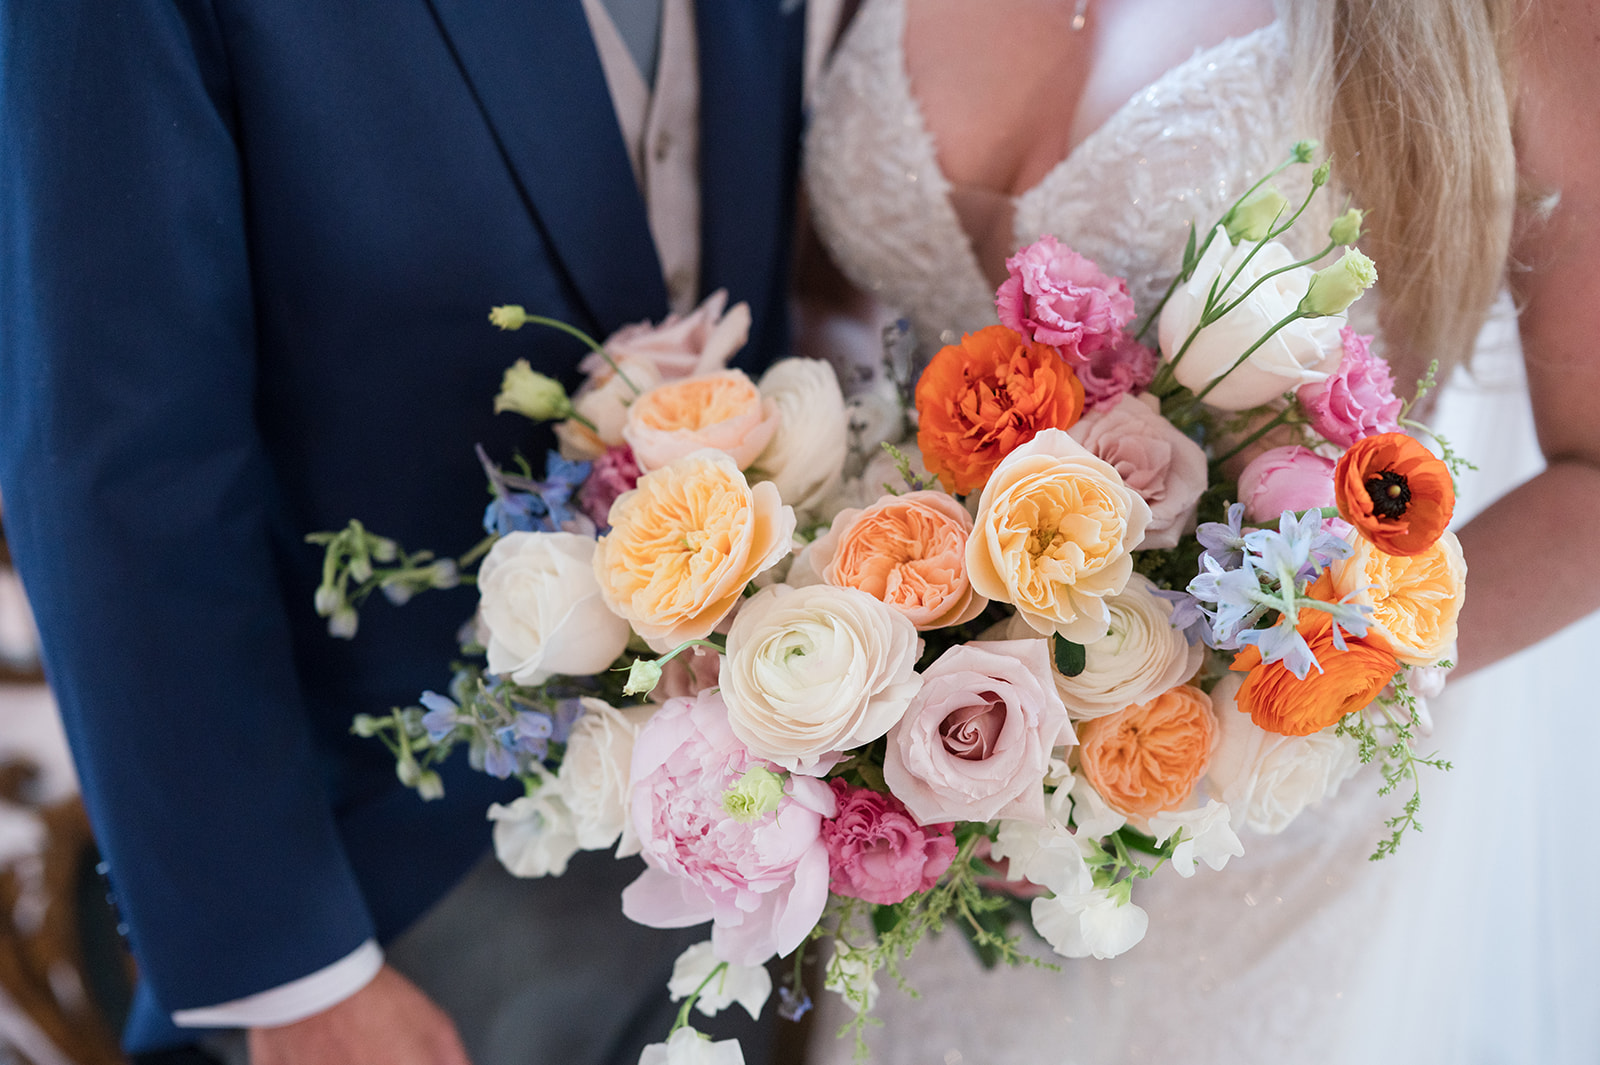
x: 356, y: 563
x: 1071, y: 658
x: 1391, y: 741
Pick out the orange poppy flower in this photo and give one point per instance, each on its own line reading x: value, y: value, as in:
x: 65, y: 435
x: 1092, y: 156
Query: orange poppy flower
x: 1395, y: 492
x: 982, y: 398
x: 1280, y: 702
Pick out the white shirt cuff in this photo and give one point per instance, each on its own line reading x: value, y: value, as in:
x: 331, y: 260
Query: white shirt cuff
x: 293, y: 1001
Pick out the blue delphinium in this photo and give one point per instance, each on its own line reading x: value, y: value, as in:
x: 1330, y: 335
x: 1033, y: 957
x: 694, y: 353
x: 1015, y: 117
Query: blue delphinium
x: 522, y: 504
x: 1224, y: 541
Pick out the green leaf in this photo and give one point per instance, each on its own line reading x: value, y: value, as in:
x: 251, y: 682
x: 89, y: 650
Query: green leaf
x: 1189, y: 252
x: 1070, y: 657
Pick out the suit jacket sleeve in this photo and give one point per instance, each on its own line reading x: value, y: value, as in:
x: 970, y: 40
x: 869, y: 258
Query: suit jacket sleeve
x: 139, y: 500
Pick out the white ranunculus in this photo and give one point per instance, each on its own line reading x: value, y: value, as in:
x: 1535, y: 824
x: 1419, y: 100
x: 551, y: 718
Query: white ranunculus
x: 1267, y: 779
x: 604, y: 400
x: 535, y: 836
x: 1208, y: 836
x: 748, y: 985
x: 812, y: 672
x: 594, y: 775
x: 688, y: 1047
x: 806, y: 455
x: 1092, y: 924
x: 1301, y: 352
x: 540, y: 607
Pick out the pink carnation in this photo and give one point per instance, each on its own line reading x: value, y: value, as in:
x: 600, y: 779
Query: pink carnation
x: 762, y: 881
x: 1285, y: 478
x: 613, y: 473
x: 1357, y: 400
x: 1109, y: 373
x: 877, y: 852
x: 1055, y: 296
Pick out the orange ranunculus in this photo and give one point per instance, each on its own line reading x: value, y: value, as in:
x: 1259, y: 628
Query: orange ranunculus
x: 1395, y: 492
x: 1280, y: 702
x: 982, y: 398
x: 1146, y: 758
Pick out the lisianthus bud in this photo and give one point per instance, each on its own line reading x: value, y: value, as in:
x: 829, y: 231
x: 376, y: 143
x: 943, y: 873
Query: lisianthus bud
x: 1334, y: 288
x: 1346, y: 229
x: 1319, y: 176
x: 1304, y: 150
x: 643, y: 676
x: 511, y: 316
x: 530, y: 393
x: 1253, y: 217
x: 758, y: 792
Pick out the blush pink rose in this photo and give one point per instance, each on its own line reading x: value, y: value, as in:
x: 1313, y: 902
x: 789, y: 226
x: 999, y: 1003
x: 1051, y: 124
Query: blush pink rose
x: 975, y: 743
x: 684, y: 345
x: 763, y: 882
x: 1055, y: 296
x: 1357, y: 400
x: 1285, y: 478
x: 612, y: 474
x: 1110, y: 373
x: 876, y: 852
x: 1166, y: 468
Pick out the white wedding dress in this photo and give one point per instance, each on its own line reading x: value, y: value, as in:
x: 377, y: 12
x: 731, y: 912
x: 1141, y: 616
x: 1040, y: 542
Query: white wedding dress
x: 1478, y: 942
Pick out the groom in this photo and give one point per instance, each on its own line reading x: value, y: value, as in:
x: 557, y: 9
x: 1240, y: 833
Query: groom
x: 247, y: 251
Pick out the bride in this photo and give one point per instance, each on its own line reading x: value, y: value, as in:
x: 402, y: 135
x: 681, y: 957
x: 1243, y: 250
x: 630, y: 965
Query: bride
x: 947, y: 133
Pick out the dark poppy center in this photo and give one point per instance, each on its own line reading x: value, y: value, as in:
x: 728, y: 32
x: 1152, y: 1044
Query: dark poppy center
x: 1390, y: 495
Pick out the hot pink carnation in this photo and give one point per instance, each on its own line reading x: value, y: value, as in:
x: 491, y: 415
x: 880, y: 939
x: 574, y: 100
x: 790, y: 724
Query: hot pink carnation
x: 613, y: 473
x: 1285, y: 478
x: 764, y: 881
x: 877, y: 852
x: 1110, y: 373
x: 1055, y: 296
x: 1357, y: 400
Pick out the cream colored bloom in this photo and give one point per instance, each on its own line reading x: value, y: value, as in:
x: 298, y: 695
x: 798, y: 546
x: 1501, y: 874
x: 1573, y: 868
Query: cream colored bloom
x: 1054, y: 536
x: 805, y: 457
x: 1415, y: 599
x: 594, y: 775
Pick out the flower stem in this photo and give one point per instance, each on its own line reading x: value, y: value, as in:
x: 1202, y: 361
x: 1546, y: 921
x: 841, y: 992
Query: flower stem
x: 594, y: 346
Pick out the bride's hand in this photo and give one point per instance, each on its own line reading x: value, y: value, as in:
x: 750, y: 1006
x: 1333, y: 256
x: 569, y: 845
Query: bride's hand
x: 388, y: 1022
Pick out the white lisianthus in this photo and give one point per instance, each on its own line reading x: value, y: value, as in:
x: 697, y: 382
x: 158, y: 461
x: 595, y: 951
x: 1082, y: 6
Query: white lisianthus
x: 1303, y: 351
x: 688, y: 1047
x: 535, y: 836
x: 604, y: 401
x: 594, y: 775
x: 1094, y: 924
x: 748, y: 985
x: 540, y: 607
x: 1267, y: 779
x: 1207, y: 836
x: 811, y: 672
x: 805, y: 457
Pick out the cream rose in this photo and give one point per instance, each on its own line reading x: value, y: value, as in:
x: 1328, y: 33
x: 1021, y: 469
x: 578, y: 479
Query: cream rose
x: 542, y: 610
x: 806, y: 455
x: 722, y: 410
x: 594, y: 775
x: 1415, y: 599
x: 1302, y: 352
x: 1267, y: 779
x: 811, y: 672
x: 1054, y: 536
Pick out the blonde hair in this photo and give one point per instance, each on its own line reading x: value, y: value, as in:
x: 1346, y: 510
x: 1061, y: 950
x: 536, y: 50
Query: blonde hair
x: 1415, y: 96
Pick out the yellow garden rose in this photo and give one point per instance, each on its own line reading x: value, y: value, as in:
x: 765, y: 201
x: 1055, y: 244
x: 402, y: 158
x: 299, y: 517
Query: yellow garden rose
x: 1054, y: 536
x: 683, y: 545
x: 1415, y: 599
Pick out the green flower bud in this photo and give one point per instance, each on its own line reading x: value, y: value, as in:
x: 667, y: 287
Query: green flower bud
x: 1346, y: 229
x: 342, y: 625
x: 365, y: 725
x: 1304, y: 150
x: 511, y: 316
x: 409, y: 772
x: 429, y: 786
x: 383, y: 549
x: 1334, y: 288
x: 643, y: 676
x: 530, y: 393
x: 361, y: 569
x: 758, y: 793
x: 327, y: 600
x: 1252, y: 218
x: 1319, y: 176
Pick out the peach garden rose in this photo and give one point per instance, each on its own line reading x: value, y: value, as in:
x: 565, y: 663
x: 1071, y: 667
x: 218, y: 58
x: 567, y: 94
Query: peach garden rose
x: 1147, y: 758
x: 723, y: 410
x: 1415, y: 599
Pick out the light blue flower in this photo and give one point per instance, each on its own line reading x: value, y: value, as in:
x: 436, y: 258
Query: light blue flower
x: 442, y: 717
x: 1224, y: 542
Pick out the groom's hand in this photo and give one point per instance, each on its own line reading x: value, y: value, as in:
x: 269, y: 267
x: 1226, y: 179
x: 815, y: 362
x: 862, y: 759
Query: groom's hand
x: 388, y: 1022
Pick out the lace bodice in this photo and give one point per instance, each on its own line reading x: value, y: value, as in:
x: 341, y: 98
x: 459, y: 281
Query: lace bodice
x: 1180, y: 150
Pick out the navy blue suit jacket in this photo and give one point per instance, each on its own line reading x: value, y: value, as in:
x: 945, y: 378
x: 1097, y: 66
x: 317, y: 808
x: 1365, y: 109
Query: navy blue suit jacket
x: 247, y: 250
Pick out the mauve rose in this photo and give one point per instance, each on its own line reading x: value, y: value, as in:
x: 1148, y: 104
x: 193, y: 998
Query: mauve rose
x: 1285, y: 478
x: 1166, y: 468
x: 1357, y: 400
x: 1110, y: 373
x: 685, y: 345
x: 688, y: 674
x: 612, y: 474
x: 1055, y: 296
x: 876, y: 852
x: 975, y: 743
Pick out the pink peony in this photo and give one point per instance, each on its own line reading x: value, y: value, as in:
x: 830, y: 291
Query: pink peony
x: 762, y: 879
x: 1110, y: 373
x: 975, y: 743
x: 613, y: 473
x: 1357, y: 400
x: 876, y: 852
x: 1154, y: 458
x: 1285, y: 478
x: 1055, y: 296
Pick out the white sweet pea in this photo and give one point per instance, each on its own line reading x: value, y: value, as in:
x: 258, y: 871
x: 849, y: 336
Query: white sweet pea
x: 535, y: 836
x: 805, y: 457
x: 1048, y: 855
x: 748, y: 985
x: 1092, y: 924
x: 1303, y: 351
x: 1095, y: 818
x: 594, y: 775
x: 688, y: 1047
x: 844, y: 976
x: 1207, y: 836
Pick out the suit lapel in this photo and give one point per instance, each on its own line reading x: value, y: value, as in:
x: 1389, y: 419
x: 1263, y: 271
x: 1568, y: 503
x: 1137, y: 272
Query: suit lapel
x: 533, y: 67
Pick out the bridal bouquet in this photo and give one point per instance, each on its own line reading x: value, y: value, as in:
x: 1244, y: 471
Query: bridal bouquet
x: 1104, y: 609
